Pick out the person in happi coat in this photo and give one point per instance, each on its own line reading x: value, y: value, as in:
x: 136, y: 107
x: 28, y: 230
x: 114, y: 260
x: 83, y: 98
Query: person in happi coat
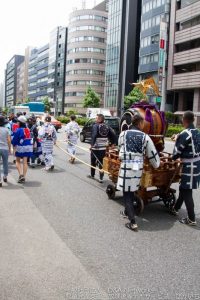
x: 47, y: 134
x: 134, y: 145
x: 187, y: 149
x: 72, y: 131
x: 102, y: 135
x: 37, y: 148
x: 22, y: 142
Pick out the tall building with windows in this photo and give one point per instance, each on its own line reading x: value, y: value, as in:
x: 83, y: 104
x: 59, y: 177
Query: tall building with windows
x: 38, y: 73
x: 86, y: 54
x: 20, y: 97
x: 122, y: 51
x: 153, y: 13
x: 2, y: 89
x: 57, y: 68
x: 184, y: 55
x: 11, y: 80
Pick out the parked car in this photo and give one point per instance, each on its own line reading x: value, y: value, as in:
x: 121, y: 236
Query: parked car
x: 86, y: 132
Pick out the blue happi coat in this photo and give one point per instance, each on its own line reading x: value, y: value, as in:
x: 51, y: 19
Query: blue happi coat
x: 187, y: 148
x: 134, y: 146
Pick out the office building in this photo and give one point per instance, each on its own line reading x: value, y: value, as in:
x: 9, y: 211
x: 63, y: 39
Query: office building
x: 38, y: 73
x: 20, y: 98
x: 154, y: 12
x: 184, y: 55
x: 122, y: 51
x: 11, y: 80
x: 57, y: 68
x: 86, y: 55
x: 2, y: 90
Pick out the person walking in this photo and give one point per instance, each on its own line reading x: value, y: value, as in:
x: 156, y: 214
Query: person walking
x: 23, y: 147
x: 37, y: 148
x: 102, y: 134
x: 134, y: 145
x: 5, y: 148
x: 48, y: 136
x: 72, y: 130
x: 187, y: 149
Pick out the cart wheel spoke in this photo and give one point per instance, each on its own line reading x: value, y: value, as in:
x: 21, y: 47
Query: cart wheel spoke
x: 169, y: 199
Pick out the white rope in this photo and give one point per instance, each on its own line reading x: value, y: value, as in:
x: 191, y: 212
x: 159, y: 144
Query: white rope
x: 83, y: 162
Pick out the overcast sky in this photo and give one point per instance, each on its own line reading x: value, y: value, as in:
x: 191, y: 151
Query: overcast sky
x: 28, y: 22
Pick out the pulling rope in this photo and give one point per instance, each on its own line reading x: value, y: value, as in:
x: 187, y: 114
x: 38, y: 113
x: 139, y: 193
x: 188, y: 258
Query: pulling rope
x: 80, y: 160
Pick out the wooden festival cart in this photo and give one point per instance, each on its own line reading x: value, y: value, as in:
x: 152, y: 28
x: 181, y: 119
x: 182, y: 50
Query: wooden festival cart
x: 155, y: 183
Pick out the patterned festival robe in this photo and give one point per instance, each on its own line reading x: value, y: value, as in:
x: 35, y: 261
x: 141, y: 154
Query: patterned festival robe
x: 134, y: 145
x: 187, y: 148
x: 47, y: 134
x: 72, y: 130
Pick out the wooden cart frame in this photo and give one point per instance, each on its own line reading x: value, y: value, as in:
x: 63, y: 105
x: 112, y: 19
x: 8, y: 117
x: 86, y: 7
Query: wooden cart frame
x: 155, y: 183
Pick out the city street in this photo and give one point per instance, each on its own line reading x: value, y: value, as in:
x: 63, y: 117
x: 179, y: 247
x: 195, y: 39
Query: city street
x: 61, y: 238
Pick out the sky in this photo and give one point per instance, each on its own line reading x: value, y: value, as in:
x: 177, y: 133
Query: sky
x: 28, y: 23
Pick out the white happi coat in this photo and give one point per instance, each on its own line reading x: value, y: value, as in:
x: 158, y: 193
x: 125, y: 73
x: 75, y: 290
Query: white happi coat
x: 72, y: 130
x: 134, y: 145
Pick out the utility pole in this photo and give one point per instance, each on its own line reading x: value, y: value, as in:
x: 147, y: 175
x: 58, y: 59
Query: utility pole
x: 162, y: 63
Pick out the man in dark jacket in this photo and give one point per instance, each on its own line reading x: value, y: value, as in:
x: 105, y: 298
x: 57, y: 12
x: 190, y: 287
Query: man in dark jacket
x: 102, y: 135
x: 187, y: 148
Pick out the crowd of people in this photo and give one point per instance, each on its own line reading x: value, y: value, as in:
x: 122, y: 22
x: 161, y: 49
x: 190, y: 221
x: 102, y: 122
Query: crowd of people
x: 30, y: 142
x: 33, y: 144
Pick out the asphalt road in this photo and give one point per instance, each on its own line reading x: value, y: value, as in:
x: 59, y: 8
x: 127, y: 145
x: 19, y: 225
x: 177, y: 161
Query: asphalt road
x: 105, y: 260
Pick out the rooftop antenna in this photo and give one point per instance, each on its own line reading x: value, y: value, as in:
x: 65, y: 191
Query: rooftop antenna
x: 83, y: 4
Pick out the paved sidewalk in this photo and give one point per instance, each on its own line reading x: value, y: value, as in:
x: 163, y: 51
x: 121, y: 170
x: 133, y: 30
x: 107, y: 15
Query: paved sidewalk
x: 34, y: 261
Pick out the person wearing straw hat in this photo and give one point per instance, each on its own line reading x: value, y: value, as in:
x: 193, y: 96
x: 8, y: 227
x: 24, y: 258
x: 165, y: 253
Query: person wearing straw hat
x: 23, y: 144
x: 5, y: 148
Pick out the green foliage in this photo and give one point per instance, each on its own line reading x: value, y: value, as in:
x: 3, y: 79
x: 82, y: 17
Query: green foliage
x: 134, y: 96
x: 47, y: 104
x: 27, y: 100
x: 174, y: 129
x: 65, y: 120
x: 71, y: 112
x: 91, y: 98
x: 5, y: 110
x: 170, y: 116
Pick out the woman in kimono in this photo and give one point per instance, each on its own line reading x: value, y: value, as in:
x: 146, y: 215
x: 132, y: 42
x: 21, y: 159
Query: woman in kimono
x: 47, y: 134
x: 22, y: 142
x: 72, y: 130
x: 187, y: 148
x: 134, y: 145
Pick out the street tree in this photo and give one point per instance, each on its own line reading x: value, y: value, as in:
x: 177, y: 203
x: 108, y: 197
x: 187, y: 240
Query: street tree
x: 91, y: 98
x: 134, y: 96
x: 47, y: 104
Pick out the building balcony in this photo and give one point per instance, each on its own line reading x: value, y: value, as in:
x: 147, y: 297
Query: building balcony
x: 188, y: 12
x: 188, y: 34
x: 186, y: 80
x: 148, y: 68
x: 187, y: 57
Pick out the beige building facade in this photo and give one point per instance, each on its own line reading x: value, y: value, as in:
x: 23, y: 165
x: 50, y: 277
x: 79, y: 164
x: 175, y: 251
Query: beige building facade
x: 184, y: 54
x: 22, y: 78
x: 86, y: 55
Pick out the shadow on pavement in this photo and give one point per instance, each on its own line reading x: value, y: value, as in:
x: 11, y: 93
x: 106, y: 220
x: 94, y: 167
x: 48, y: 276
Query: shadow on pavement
x: 11, y: 186
x: 31, y: 184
